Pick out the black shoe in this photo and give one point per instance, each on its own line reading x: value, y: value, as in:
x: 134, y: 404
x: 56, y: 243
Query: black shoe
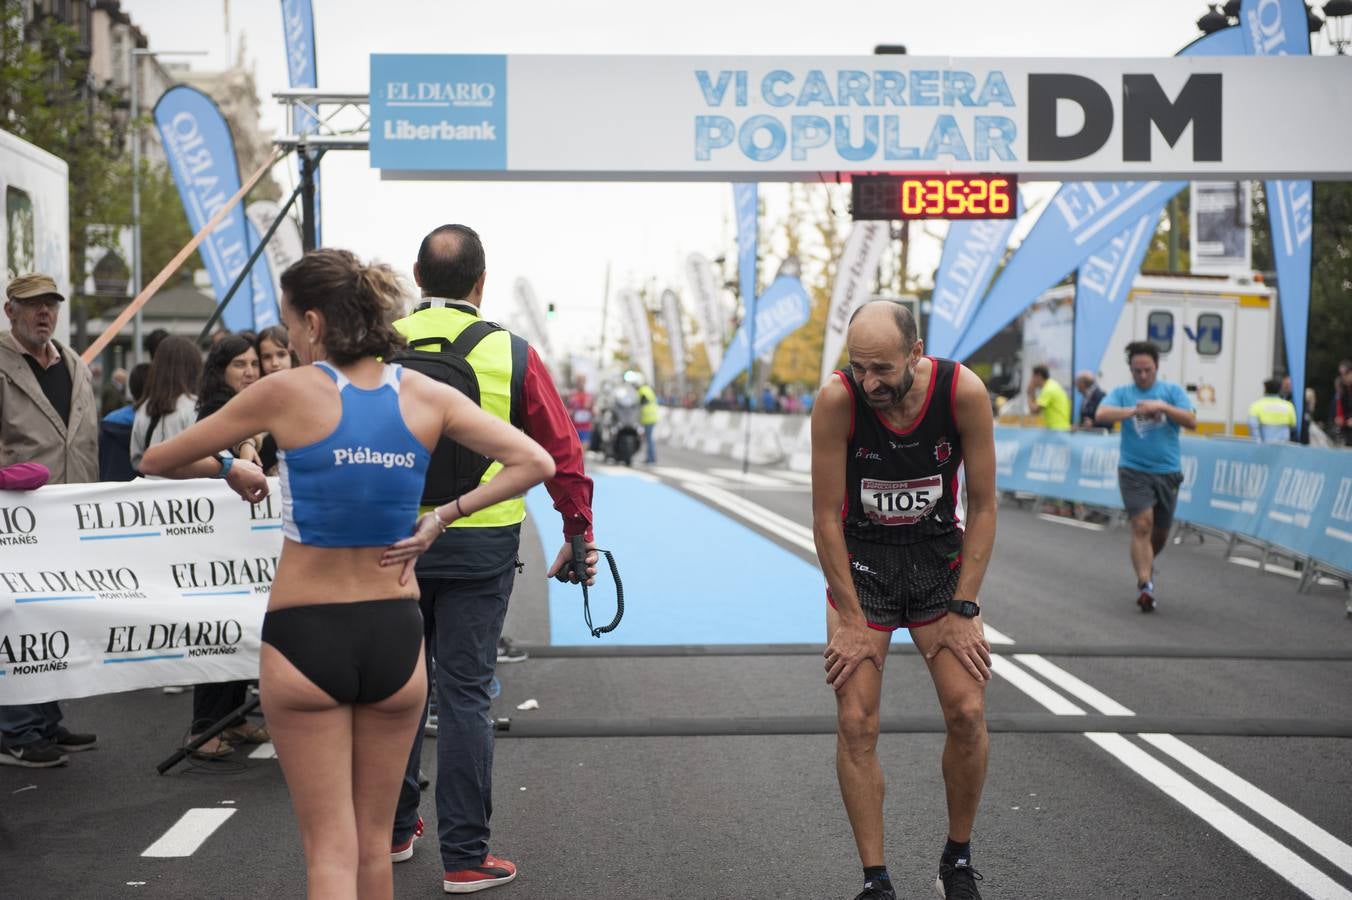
x: 508, y: 652
x: 874, y: 890
x: 73, y: 742
x: 957, y: 882
x: 37, y: 755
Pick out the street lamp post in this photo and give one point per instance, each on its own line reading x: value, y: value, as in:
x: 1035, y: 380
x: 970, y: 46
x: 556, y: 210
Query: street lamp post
x: 136, y: 54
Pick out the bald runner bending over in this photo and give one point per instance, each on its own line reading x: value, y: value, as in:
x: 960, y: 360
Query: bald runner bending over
x: 888, y: 435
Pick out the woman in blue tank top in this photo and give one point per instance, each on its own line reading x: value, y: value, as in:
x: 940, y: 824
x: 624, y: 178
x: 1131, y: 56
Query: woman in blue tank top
x: 342, y: 679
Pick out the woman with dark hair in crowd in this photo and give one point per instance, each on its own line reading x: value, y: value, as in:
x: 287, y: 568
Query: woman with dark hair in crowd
x: 231, y: 366
x: 343, y: 680
x: 274, y: 355
x: 169, y: 403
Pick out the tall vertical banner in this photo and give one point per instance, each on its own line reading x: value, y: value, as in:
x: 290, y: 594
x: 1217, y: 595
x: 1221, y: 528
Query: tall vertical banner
x: 699, y: 274
x: 1220, y: 233
x: 532, y: 317
x: 1278, y: 28
x: 1078, y: 222
x: 285, y: 249
x: 201, y: 154
x: 780, y: 311
x: 298, y: 27
x: 972, y: 250
x: 636, y: 331
x: 854, y: 281
x: 744, y: 195
x: 671, y: 319
x: 1102, y: 284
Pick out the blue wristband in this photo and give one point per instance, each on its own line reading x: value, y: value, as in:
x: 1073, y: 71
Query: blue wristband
x: 226, y: 462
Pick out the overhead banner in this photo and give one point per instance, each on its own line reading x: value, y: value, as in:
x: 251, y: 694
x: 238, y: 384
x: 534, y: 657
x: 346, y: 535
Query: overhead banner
x: 201, y: 154
x: 699, y: 274
x: 972, y: 251
x: 1102, y: 284
x: 1079, y: 220
x: 118, y: 586
x: 780, y: 311
x: 532, y: 318
x: 671, y: 320
x: 285, y: 248
x: 636, y: 331
x: 1278, y: 29
x: 855, y: 270
x: 727, y: 117
x: 1221, y: 239
x: 298, y: 27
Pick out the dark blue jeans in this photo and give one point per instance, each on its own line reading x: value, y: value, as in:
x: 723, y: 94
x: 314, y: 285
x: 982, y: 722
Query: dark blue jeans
x: 463, y: 620
x: 649, y: 447
x: 26, y: 724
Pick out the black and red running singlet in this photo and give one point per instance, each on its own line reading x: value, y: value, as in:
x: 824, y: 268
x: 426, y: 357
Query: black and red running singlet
x: 901, y: 487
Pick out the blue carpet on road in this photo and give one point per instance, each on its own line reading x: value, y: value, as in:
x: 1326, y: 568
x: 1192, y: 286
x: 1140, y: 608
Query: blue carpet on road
x: 691, y: 574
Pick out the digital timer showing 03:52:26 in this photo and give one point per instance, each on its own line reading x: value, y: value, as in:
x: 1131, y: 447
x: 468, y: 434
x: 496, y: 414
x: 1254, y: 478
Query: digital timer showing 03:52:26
x: 934, y: 197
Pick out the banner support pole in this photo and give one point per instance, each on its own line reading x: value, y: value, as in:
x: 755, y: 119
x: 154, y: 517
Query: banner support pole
x: 309, y: 163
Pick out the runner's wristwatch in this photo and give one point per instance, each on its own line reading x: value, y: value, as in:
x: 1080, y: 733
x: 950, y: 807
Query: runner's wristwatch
x: 965, y: 608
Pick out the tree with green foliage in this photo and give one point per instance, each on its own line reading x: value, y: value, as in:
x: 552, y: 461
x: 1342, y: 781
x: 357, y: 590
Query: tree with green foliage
x: 1330, y: 333
x: 47, y: 98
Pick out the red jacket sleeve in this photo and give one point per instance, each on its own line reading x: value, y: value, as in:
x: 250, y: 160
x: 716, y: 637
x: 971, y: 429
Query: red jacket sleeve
x: 547, y: 422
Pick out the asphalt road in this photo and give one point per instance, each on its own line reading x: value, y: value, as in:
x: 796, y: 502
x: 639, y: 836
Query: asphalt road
x: 665, y: 790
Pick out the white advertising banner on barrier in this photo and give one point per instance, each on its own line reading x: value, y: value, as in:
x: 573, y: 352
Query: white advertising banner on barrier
x: 733, y: 118
x: 117, y: 586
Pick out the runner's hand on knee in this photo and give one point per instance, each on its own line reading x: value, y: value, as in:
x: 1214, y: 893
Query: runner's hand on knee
x: 967, y: 641
x: 848, y: 648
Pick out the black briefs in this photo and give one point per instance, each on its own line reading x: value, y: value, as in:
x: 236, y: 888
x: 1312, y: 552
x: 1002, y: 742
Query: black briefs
x: 355, y: 652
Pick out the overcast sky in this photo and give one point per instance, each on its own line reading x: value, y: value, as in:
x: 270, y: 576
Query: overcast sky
x: 562, y: 236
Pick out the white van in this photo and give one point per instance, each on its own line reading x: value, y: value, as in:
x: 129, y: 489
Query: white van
x: 35, y: 229
x: 1216, y: 338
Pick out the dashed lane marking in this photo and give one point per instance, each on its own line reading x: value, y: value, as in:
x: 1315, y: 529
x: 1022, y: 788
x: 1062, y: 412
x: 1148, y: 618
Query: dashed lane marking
x: 186, y: 835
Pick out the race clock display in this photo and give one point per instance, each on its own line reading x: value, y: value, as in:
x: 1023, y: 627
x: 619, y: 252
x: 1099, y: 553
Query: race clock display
x: 934, y: 197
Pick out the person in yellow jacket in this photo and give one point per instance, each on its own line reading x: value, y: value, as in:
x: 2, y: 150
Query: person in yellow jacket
x: 1047, y: 397
x: 1272, y: 419
x: 648, y: 412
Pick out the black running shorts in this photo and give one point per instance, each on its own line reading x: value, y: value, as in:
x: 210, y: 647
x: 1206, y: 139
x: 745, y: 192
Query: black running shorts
x: 1147, y: 490
x: 903, y: 586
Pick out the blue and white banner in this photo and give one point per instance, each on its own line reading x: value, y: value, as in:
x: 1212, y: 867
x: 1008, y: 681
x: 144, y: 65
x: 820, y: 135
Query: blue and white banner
x: 1278, y: 28
x: 780, y: 311
x: 1101, y: 288
x: 285, y: 249
x: 201, y: 154
x: 675, y: 118
x: 298, y: 27
x: 1079, y: 220
x: 1296, y: 497
x: 125, y: 585
x: 972, y: 250
x: 745, y: 200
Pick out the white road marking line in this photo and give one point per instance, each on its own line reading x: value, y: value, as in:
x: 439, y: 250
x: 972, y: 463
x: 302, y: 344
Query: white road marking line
x: 264, y: 751
x: 188, y: 833
x: 1245, y: 835
x: 678, y: 474
x: 737, y: 477
x: 1267, y: 806
x: 798, y: 477
x: 1256, y: 843
x: 1255, y: 564
x: 1067, y: 520
x: 757, y: 515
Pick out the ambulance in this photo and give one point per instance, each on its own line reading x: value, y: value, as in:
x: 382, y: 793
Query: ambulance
x: 35, y: 227
x: 1217, y: 338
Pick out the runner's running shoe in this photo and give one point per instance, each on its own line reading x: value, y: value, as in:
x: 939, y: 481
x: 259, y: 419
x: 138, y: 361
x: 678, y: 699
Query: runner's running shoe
x: 958, y: 882
x: 874, y: 890
x: 1145, y: 597
x: 488, y: 874
x: 37, y: 755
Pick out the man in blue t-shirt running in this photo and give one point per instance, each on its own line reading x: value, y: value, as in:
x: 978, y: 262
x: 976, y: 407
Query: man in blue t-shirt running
x: 1149, y: 467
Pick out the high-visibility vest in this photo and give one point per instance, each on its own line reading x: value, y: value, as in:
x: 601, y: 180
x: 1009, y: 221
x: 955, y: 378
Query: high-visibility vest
x: 647, y: 410
x: 499, y: 363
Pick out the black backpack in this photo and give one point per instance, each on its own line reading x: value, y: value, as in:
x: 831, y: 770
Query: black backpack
x: 456, y: 469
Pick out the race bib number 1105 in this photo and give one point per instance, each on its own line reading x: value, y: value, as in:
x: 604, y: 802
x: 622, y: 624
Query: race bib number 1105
x: 900, y: 502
